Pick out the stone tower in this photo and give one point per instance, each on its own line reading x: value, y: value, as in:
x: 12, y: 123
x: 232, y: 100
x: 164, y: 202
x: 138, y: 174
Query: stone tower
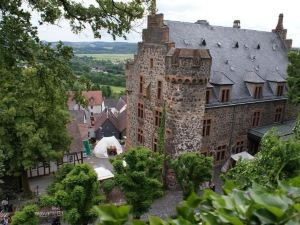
x: 162, y: 74
x: 187, y: 75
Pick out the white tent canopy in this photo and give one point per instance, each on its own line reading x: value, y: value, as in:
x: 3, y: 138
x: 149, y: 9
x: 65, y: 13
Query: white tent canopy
x: 100, y: 151
x: 242, y: 156
x: 103, y: 173
x: 234, y: 158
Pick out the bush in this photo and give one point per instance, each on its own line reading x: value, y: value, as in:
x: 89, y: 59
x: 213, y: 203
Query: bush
x: 108, y: 185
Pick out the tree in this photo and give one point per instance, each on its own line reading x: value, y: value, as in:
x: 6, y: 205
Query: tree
x: 192, y: 169
x: 26, y: 216
x: 35, y: 78
x: 294, y: 78
x: 113, y: 16
x: 138, y: 174
x: 294, y: 86
x: 76, y: 191
x: 277, y: 159
x: 33, y: 113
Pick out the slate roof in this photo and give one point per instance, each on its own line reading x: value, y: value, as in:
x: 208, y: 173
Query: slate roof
x: 121, y: 103
x: 258, y: 51
x: 110, y: 103
x: 77, y: 115
x: 107, y: 114
x: 122, y: 120
x: 283, y: 130
x: 118, y: 121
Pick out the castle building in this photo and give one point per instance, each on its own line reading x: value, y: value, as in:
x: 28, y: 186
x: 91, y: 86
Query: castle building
x: 223, y: 87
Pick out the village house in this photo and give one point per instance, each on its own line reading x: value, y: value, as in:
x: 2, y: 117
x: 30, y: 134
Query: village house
x: 223, y: 87
x: 112, y: 121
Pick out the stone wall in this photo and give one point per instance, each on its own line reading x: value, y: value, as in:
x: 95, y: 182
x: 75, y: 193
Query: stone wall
x: 230, y: 124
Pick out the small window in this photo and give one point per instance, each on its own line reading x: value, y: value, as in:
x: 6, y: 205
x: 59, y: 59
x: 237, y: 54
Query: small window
x: 278, y: 115
x: 141, y: 110
x: 159, y: 89
x: 207, y: 96
x: 225, y: 95
x: 256, y: 119
x: 157, y: 118
x: 151, y: 63
x: 141, y: 84
x: 140, y: 136
x: 155, y: 144
x: 92, y: 120
x: 92, y: 107
x: 206, y: 128
x: 258, y: 92
x: 280, y: 89
x: 220, y: 153
x: 239, y: 147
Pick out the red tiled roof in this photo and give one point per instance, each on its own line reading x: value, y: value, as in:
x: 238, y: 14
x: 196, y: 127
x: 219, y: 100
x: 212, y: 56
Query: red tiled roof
x: 89, y: 95
x: 96, y: 95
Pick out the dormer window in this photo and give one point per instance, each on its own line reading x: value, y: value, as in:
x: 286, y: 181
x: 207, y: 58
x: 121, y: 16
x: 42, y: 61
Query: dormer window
x: 258, y: 92
x: 280, y: 88
x: 225, y: 95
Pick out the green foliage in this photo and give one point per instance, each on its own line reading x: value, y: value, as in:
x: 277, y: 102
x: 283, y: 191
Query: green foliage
x: 256, y: 206
x: 192, y: 169
x: 113, y: 215
x: 113, y: 16
x: 277, y: 159
x: 26, y: 216
x: 162, y: 132
x: 106, y: 91
x: 294, y: 78
x: 33, y: 113
x: 108, y: 185
x: 76, y: 191
x: 140, y: 178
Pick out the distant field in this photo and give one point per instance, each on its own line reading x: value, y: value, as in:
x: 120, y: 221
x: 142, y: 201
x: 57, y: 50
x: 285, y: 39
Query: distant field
x: 111, y: 57
x: 117, y: 90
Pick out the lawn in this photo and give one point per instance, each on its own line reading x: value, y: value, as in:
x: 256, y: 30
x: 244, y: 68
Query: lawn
x: 111, y: 57
x: 117, y: 90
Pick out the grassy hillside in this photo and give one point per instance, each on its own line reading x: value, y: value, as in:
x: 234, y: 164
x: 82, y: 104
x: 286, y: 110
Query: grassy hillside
x: 102, y: 47
x: 110, y: 57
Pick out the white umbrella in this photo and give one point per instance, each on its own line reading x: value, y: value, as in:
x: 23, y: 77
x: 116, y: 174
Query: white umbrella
x: 103, y: 173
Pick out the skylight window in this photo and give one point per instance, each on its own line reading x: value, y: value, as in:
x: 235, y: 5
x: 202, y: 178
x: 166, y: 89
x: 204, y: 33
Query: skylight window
x: 219, y: 44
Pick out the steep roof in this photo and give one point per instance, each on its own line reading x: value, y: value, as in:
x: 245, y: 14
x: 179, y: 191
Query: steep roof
x: 122, y: 120
x: 107, y: 114
x: 110, y: 103
x: 234, y: 53
x: 76, y: 142
x: 77, y: 115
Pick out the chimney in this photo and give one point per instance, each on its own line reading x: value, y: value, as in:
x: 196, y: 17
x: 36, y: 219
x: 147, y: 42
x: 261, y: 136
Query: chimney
x: 237, y: 24
x: 279, y: 26
x: 281, y: 32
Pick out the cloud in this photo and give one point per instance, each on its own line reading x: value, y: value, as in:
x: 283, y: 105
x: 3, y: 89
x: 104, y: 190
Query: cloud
x: 254, y: 14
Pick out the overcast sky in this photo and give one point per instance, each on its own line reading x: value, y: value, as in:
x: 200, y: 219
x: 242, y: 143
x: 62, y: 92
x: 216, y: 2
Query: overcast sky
x: 254, y: 14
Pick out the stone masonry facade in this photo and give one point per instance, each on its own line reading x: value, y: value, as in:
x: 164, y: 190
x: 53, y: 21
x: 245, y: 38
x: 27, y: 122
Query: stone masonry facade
x: 163, y: 74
